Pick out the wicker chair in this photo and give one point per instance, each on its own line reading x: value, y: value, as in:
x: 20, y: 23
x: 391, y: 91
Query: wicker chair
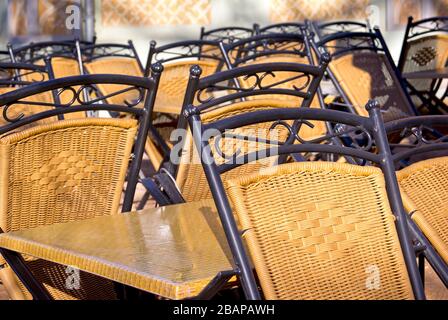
x: 68, y: 170
x: 362, y: 69
x: 425, y: 47
x: 306, y: 244
x: 16, y: 75
x: 219, y: 102
x: 421, y: 160
x: 425, y: 185
x: 271, y: 47
x: 177, y: 59
x: 120, y: 60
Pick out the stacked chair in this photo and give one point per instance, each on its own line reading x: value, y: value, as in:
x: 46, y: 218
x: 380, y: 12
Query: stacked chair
x: 69, y: 170
x: 362, y: 69
x: 319, y: 196
x: 425, y: 47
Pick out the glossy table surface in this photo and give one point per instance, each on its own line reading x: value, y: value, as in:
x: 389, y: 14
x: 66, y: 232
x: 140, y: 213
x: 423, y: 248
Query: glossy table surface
x: 172, y: 251
x: 430, y: 74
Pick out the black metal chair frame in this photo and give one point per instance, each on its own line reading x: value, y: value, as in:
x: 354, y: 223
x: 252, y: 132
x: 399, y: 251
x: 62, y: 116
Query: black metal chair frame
x: 416, y: 30
x: 226, y: 34
x: 360, y: 41
x: 162, y: 186
x: 328, y: 28
x: 373, y: 127
x: 146, y: 87
x: 182, y: 50
x: 40, y: 50
x: 264, y: 45
x: 178, y: 51
x: 286, y: 27
x: 426, y: 143
x: 19, y: 70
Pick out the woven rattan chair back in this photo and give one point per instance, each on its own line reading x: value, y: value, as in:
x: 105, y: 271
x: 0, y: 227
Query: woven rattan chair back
x: 177, y: 59
x: 362, y: 69
x: 425, y: 185
x: 309, y: 245
x: 16, y: 75
x: 368, y: 75
x: 191, y: 179
x: 312, y: 228
x: 425, y: 47
x: 69, y: 170
x: 114, y: 65
x: 173, y: 83
x: 422, y: 166
x: 189, y: 174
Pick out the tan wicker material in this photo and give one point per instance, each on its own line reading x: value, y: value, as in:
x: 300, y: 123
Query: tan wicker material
x: 312, y: 235
x: 320, y: 128
x: 113, y: 65
x: 173, y: 84
x: 426, y: 53
x: 66, y: 67
x: 191, y: 178
x: 426, y: 185
x: 123, y: 66
x: 64, y: 171
x: 28, y: 110
x: 368, y: 75
x: 149, y: 250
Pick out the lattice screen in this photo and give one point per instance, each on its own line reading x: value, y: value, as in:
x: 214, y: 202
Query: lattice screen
x: 294, y: 10
x: 155, y: 12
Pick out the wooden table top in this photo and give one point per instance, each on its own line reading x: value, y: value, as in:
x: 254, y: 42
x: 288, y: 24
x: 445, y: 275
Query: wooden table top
x: 173, y: 251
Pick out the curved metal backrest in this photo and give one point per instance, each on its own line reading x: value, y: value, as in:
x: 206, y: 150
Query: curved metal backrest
x: 287, y: 27
x: 145, y: 87
x: 425, y: 47
x: 96, y: 52
x: 335, y: 27
x: 418, y: 138
x: 362, y: 69
x: 38, y: 52
x: 177, y: 52
x: 17, y: 75
x: 264, y: 45
x: 226, y: 34
x: 373, y: 127
x: 22, y: 74
x: 205, y: 92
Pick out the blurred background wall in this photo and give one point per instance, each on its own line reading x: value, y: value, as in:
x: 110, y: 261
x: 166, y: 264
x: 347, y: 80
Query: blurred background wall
x: 172, y: 20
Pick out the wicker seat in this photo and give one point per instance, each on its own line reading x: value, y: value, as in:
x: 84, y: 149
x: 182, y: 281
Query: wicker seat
x: 67, y: 170
x: 319, y: 245
x: 424, y: 183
